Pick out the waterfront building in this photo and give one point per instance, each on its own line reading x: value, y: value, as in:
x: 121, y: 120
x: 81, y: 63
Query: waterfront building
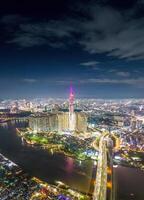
x: 57, y: 120
x: 39, y: 123
x: 63, y: 121
x: 81, y: 122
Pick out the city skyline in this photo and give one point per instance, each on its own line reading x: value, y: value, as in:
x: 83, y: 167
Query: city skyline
x: 98, y: 46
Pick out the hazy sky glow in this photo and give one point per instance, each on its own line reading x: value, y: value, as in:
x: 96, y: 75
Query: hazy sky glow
x: 98, y: 46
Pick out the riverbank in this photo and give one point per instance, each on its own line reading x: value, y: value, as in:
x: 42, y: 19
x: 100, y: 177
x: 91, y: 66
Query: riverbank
x: 43, y: 164
x: 58, y: 143
x: 15, y: 183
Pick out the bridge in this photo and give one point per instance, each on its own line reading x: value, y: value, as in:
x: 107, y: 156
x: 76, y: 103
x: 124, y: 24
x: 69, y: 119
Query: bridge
x: 102, y: 184
x: 101, y: 176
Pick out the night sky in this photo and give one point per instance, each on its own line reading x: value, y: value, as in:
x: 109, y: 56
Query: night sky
x: 97, y: 45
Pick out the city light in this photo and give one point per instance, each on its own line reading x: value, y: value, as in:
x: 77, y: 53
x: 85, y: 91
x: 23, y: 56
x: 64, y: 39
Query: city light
x: 72, y: 100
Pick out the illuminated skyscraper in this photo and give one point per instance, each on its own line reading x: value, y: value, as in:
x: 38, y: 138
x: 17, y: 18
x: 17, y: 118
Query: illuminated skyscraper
x: 71, y: 110
x: 41, y: 123
x: 63, y: 121
x: 71, y: 101
x: 81, y: 121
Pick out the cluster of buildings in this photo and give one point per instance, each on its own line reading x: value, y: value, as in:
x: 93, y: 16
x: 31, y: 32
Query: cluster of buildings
x: 57, y: 122
x: 50, y: 114
x: 60, y: 120
x: 15, y: 184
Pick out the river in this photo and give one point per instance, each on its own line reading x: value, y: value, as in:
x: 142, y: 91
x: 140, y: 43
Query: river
x: 40, y: 163
x: 129, y: 183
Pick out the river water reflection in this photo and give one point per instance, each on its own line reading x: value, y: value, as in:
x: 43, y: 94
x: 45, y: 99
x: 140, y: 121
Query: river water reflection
x: 129, y: 183
x: 40, y: 163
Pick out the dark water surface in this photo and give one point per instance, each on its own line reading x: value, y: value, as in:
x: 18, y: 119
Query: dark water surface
x: 129, y: 183
x: 40, y: 163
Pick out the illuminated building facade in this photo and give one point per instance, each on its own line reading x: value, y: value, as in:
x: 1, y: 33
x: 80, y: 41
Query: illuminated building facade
x: 81, y: 122
x: 72, y: 119
x: 43, y: 123
x: 63, y: 121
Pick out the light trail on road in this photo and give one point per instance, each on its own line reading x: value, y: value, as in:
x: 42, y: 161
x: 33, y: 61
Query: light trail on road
x: 101, y: 176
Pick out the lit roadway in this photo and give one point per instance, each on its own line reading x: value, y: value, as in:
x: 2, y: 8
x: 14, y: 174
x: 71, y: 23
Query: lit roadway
x: 100, y: 189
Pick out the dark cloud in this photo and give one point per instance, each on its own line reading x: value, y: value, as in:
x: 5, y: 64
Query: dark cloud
x: 52, y: 28
x: 123, y: 74
x: 117, y: 33
x: 92, y: 65
x: 28, y: 40
x: 89, y: 63
x: 140, y: 1
x: 12, y: 19
x: 136, y: 82
x: 52, y: 33
x: 29, y: 80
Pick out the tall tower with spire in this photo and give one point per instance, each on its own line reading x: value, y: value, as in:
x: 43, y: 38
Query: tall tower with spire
x: 71, y: 110
x: 71, y: 100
